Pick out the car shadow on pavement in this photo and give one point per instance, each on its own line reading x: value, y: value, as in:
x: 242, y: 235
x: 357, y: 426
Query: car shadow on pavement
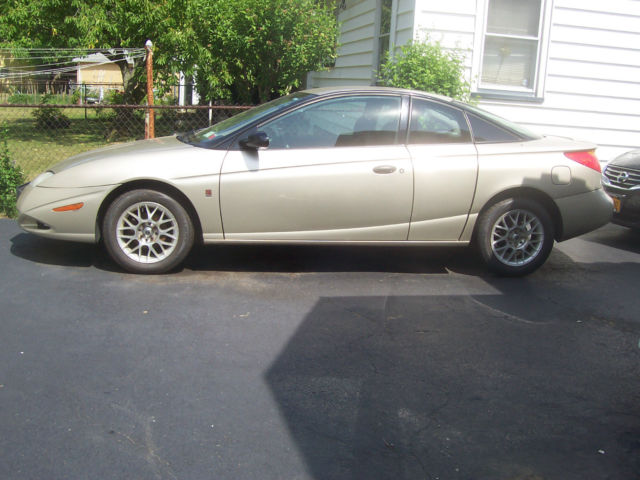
x: 305, y: 259
x: 518, y: 385
x: 57, y: 252
x: 264, y: 258
x: 313, y: 258
x: 617, y: 237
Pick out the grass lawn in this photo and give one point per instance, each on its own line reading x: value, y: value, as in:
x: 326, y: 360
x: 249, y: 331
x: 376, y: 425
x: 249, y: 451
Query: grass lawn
x: 35, y: 149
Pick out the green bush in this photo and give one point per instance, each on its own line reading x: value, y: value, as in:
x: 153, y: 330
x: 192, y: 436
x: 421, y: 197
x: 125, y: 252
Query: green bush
x: 20, y: 98
x: 10, y: 177
x: 76, y: 95
x: 114, y: 97
x: 50, y: 117
x: 428, y: 67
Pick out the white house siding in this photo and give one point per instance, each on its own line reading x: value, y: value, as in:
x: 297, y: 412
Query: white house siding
x: 357, y: 53
x: 592, y: 85
x: 405, y: 22
x: 590, y: 62
x: 357, y: 50
x: 452, y: 23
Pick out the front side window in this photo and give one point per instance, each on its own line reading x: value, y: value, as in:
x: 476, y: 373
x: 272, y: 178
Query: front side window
x: 511, y: 45
x: 230, y: 126
x: 354, y: 121
x: 432, y: 122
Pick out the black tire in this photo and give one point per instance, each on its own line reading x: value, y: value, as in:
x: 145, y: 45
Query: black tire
x: 515, y: 236
x: 145, y: 231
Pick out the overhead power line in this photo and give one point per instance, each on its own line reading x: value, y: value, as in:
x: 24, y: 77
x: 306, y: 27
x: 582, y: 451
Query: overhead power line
x: 59, y: 65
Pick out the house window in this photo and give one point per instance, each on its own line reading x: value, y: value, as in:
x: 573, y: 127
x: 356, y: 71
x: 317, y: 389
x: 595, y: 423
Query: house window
x: 384, y: 32
x: 510, y: 59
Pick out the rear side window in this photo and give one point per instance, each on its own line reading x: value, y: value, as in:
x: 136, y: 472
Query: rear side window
x: 485, y: 132
x: 432, y: 122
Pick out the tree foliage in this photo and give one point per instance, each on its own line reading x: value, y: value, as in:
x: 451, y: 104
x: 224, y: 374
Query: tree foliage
x: 428, y: 67
x: 93, y: 24
x: 243, y: 50
x: 255, y: 50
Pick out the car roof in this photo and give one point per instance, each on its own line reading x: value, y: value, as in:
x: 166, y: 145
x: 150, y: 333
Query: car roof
x: 375, y: 89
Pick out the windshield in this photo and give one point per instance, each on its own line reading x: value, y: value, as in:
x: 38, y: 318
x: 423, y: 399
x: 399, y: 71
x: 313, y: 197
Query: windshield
x: 514, y: 127
x: 222, y: 130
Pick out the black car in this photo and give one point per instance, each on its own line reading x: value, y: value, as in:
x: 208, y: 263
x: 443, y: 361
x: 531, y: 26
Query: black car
x: 621, y: 180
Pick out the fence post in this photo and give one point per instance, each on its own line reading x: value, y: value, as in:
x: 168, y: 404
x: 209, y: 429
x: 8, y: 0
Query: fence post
x: 149, y: 119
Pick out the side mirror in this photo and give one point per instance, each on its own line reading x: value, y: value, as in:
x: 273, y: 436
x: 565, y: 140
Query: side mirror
x: 255, y: 141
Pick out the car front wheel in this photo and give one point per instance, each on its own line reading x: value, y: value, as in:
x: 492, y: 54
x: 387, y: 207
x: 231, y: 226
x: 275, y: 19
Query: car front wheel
x: 146, y: 231
x: 515, y: 236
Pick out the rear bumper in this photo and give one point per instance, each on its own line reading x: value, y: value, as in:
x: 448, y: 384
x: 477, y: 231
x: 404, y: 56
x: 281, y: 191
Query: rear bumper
x: 584, y: 213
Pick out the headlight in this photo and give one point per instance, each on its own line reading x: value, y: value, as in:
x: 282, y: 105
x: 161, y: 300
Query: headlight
x: 41, y: 178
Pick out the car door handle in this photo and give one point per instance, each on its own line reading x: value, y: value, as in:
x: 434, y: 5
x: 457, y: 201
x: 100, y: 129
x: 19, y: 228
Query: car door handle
x: 384, y: 169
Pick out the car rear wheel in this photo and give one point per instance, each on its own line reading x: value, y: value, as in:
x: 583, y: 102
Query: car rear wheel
x: 146, y: 231
x: 515, y: 236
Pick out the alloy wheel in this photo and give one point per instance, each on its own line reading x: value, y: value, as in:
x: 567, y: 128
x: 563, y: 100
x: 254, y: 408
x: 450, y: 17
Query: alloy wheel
x: 147, y: 232
x: 517, y: 237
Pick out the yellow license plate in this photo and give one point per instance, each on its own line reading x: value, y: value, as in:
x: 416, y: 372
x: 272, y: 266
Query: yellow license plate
x: 616, y: 205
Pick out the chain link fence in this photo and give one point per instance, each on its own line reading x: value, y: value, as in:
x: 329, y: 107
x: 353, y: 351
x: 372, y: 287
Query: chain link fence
x: 66, y: 92
x: 39, y: 136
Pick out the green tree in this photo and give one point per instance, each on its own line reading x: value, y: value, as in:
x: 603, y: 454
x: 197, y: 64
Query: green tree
x: 428, y: 67
x: 246, y: 50
x: 104, y: 24
x: 130, y: 23
x: 255, y: 50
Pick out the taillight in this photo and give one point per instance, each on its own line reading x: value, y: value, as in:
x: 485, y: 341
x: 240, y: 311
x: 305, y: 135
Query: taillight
x: 586, y: 157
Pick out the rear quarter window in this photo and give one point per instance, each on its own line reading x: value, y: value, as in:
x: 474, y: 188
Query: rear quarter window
x: 486, y: 132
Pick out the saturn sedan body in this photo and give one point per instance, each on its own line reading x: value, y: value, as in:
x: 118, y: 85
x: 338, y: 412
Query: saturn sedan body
x: 368, y: 166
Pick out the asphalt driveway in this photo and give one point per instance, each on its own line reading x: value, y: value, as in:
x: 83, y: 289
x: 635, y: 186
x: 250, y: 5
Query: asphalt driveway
x: 320, y: 363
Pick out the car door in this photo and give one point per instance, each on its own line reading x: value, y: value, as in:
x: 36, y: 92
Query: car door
x: 445, y: 164
x: 333, y: 171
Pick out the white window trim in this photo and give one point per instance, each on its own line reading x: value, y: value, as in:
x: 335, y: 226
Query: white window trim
x: 535, y: 94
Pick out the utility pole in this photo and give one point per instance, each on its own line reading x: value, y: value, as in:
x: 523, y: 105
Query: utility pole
x: 149, y: 124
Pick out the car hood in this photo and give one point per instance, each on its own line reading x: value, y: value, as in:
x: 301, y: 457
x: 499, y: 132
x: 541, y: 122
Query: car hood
x: 141, y: 147
x: 630, y: 160
x: 164, y: 159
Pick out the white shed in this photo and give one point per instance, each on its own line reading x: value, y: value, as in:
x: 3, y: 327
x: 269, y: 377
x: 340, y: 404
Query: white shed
x: 561, y: 67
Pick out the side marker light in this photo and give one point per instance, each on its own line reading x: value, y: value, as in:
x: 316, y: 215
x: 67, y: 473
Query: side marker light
x: 69, y: 208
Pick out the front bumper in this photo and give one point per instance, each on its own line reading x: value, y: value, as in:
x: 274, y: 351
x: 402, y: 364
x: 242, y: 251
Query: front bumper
x: 36, y: 207
x: 628, y: 214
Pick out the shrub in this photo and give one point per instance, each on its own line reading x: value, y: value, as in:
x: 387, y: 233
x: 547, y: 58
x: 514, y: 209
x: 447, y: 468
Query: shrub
x: 428, y: 67
x: 50, y: 117
x: 20, y: 98
x: 114, y: 97
x: 76, y: 96
x: 10, y: 177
